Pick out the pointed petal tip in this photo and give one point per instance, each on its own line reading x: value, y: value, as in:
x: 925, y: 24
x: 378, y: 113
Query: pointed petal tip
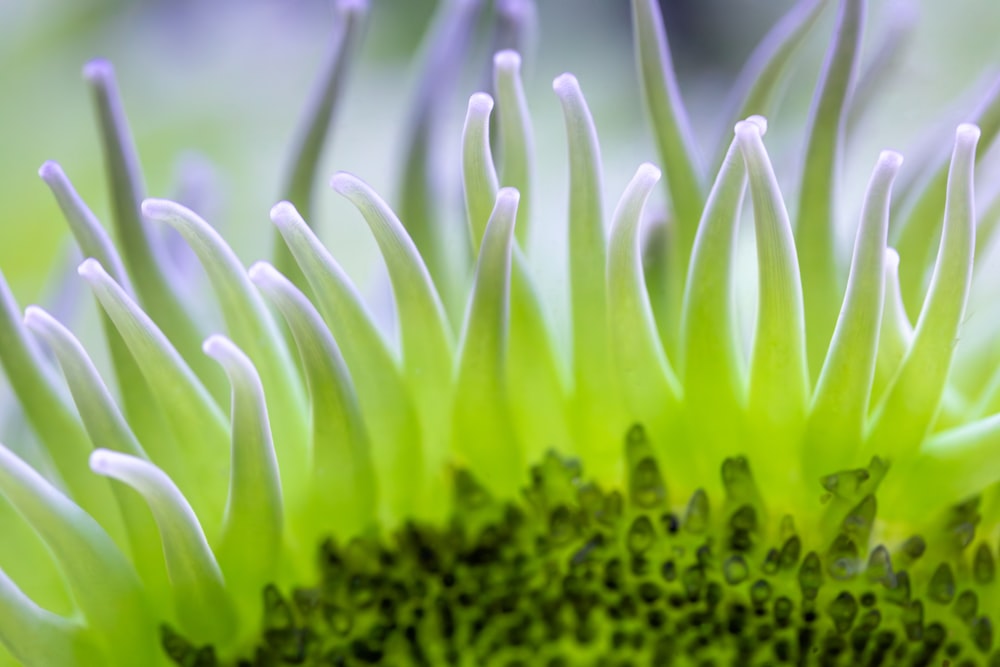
x: 508, y: 197
x: 344, y: 182
x: 35, y: 318
x: 261, y: 272
x: 162, y: 210
x: 748, y: 130
x: 480, y: 104
x: 566, y: 85
x: 890, y: 160
x: 967, y: 134
x: 507, y: 60
x: 90, y: 268
x: 216, y: 345
x: 759, y: 121
x: 891, y: 259
x: 648, y: 172
x: 101, y: 461
x: 99, y: 70
x: 51, y: 171
x: 284, y: 213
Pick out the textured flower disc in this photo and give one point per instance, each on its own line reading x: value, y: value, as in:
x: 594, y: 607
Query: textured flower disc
x: 579, y: 576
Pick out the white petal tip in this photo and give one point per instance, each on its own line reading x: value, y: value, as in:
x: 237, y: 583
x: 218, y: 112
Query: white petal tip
x: 507, y: 60
x: 343, y: 182
x: 283, y: 213
x: 161, y: 209
x: 508, y: 196
x: 648, y: 171
x: 90, y: 268
x: 967, y: 134
x: 50, y: 171
x: 98, y: 70
x: 890, y: 159
x: 891, y: 259
x: 216, y: 345
x: 759, y: 121
x: 566, y: 85
x: 747, y: 130
x: 261, y: 273
x: 34, y: 317
x: 101, y: 461
x: 480, y: 104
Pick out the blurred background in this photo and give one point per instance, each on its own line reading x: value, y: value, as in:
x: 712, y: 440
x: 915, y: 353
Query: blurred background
x: 213, y: 90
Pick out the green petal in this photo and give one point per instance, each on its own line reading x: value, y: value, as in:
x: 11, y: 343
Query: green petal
x: 144, y: 416
x: 840, y: 400
x: 483, y: 435
x: 341, y: 452
x: 385, y: 400
x: 102, y: 582
x: 711, y: 361
x: 203, y: 608
x: 516, y: 136
x: 533, y: 373
x: 676, y: 150
x: 106, y: 425
x: 87, y: 230
x: 779, y: 379
x: 39, y: 638
x: 439, y: 240
x: 254, y: 520
x: 904, y: 415
x: 193, y: 417
x: 479, y: 177
x: 919, y: 229
x: 645, y: 378
x: 816, y: 223
x: 895, y: 331
x: 314, y: 125
x: 425, y: 336
x: 954, y: 464
x: 154, y: 289
x: 50, y: 414
x: 251, y: 327
x: 669, y: 121
x: 594, y: 415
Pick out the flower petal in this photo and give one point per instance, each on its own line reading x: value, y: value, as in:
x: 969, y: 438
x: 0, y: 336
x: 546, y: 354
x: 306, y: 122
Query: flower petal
x: 904, y: 415
x: 254, y: 521
x: 251, y: 326
x: 102, y: 581
x: 817, y: 219
x: 203, y: 607
x: 342, y: 471
x: 483, y: 434
x: 152, y: 285
x: 385, y: 400
x: 193, y: 417
x: 645, y: 378
x: 516, y: 136
x: 314, y: 125
x: 840, y: 401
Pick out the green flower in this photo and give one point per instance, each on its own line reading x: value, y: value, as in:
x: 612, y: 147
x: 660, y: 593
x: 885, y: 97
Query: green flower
x: 671, y: 487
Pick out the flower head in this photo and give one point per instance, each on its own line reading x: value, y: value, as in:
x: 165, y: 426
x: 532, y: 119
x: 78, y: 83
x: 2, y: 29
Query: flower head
x: 672, y: 485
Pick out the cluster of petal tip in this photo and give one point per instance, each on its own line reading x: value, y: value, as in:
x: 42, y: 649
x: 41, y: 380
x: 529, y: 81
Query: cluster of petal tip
x: 334, y: 427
